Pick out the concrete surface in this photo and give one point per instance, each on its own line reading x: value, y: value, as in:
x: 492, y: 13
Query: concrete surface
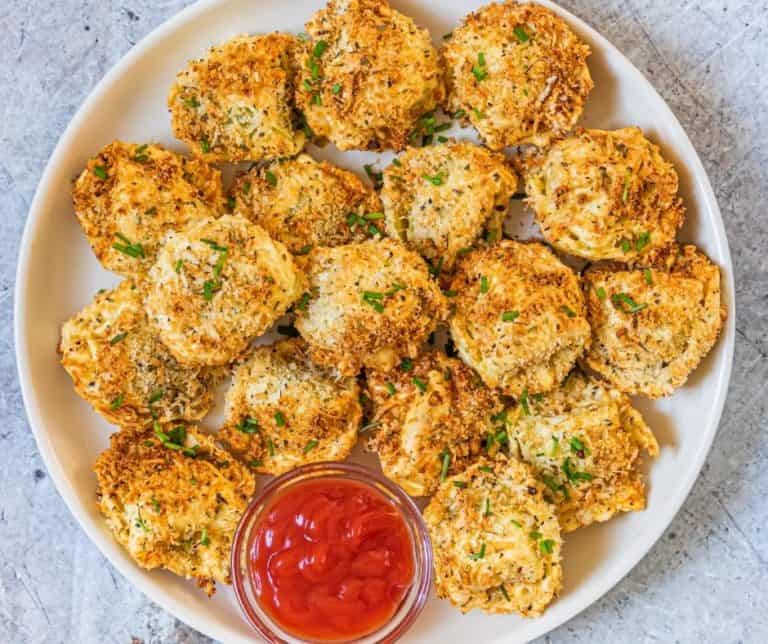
x: 705, y: 581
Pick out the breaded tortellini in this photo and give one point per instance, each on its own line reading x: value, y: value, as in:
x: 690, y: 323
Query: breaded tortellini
x: 118, y: 364
x: 584, y: 441
x: 129, y: 196
x: 305, y: 203
x: 173, y: 499
x: 366, y: 75
x: 517, y: 72
x: 431, y: 418
x: 654, y: 323
x: 441, y: 199
x: 605, y: 195
x: 496, y: 540
x: 369, y: 304
x: 216, y: 286
x: 236, y: 104
x: 519, y: 317
x: 283, y: 411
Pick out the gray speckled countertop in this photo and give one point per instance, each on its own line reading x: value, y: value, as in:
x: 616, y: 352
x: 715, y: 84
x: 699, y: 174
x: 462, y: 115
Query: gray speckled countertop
x: 707, y: 578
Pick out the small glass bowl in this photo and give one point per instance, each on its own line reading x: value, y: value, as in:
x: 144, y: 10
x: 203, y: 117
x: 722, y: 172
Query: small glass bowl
x: 417, y: 594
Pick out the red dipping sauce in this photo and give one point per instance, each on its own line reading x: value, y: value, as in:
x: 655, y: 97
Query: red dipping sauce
x: 330, y: 559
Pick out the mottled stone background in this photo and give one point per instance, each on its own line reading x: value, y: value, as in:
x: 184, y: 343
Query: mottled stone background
x: 707, y: 578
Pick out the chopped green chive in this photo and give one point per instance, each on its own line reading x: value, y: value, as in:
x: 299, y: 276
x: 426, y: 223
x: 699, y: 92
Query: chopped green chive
x: 178, y: 265
x: 204, y: 540
x: 128, y: 247
x: 642, y: 241
x: 320, y: 48
x: 406, y: 364
x: 156, y: 504
x: 445, y: 456
x: 460, y: 484
x: 487, y: 509
x: 436, y: 269
x: 435, y: 180
x: 279, y: 419
x: 517, y: 524
x: 391, y: 389
x: 373, y: 299
x: 248, y: 426
x: 576, y: 445
x: 627, y: 182
x: 625, y: 303
x: 485, y: 468
x: 303, y: 301
x: 230, y: 203
x: 271, y: 178
x: 205, y: 146
x: 118, y: 338
x: 256, y: 462
x: 420, y: 384
x: 304, y: 250
x: 524, y: 402
x: 459, y: 114
x: 270, y: 447
x: 546, y: 546
x: 100, y: 171
x: 600, y: 292
x: 626, y: 246
x: 246, y: 187
x: 310, y: 446
x: 479, y: 115
x: 521, y: 34
x: 117, y: 402
x: 464, y: 251
x: 157, y: 395
x: 510, y: 316
x: 478, y: 555
x: 336, y: 88
x: 209, y: 288
x: 373, y: 175
x: 504, y: 592
x: 479, y: 71
x: 484, y: 286
x: 568, y: 311
x: 192, y: 103
x: 450, y: 293
x: 572, y: 475
x: 648, y: 276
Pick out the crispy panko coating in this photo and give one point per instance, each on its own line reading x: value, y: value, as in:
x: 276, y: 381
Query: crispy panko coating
x: 431, y: 418
x: 236, y: 104
x: 366, y: 75
x: 119, y: 365
x: 584, y: 442
x: 517, y: 72
x: 283, y: 411
x: 496, y: 540
x: 173, y: 499
x: 216, y: 286
x: 441, y: 199
x: 129, y: 196
x: 305, y: 203
x: 519, y: 316
x: 653, y: 324
x: 369, y: 304
x: 605, y: 195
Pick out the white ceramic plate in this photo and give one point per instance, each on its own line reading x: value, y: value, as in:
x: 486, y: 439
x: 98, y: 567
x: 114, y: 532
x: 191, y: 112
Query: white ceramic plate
x: 58, y: 274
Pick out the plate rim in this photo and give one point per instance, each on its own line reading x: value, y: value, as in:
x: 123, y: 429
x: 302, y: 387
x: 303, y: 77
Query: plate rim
x: 135, y: 575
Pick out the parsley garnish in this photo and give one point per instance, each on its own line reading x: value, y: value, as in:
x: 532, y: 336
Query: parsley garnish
x: 625, y: 303
x: 524, y: 402
x: 118, y: 338
x: 128, y: 247
x: 478, y: 555
x: 248, y: 426
x: 521, y: 34
x: 435, y: 180
x: 445, y: 456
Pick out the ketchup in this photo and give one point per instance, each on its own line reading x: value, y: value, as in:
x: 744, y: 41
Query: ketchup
x: 331, y: 559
